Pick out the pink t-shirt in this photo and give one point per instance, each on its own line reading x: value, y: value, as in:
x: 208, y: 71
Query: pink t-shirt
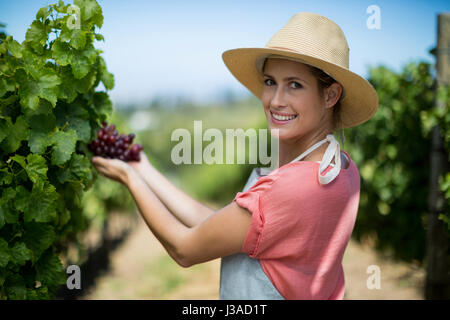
x: 300, y: 228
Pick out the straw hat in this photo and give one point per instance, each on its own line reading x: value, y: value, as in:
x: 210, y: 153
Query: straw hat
x: 317, y: 41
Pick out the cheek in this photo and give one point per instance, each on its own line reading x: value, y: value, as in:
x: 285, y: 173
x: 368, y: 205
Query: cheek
x: 309, y: 105
x: 265, y: 98
x: 266, y: 105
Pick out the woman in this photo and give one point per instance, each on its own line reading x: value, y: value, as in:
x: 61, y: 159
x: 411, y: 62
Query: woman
x: 284, y: 236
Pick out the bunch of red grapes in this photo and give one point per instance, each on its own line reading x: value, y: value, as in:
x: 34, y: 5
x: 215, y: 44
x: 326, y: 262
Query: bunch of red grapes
x: 112, y: 145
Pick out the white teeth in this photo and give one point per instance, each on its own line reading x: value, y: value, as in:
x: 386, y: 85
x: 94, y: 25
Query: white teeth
x: 283, y: 118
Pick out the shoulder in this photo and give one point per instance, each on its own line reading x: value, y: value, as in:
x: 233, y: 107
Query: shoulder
x: 299, y: 180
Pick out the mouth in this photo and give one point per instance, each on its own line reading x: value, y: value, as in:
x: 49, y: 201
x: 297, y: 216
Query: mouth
x: 279, y: 118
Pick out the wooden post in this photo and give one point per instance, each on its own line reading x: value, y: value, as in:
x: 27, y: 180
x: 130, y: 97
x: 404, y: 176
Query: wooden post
x: 437, y: 284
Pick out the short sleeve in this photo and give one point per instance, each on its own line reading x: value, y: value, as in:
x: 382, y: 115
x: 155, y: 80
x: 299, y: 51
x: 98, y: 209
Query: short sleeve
x: 286, y: 210
x: 250, y: 200
x: 300, y: 228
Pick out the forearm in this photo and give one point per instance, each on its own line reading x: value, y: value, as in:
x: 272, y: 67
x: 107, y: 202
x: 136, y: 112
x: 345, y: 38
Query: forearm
x: 188, y: 210
x: 166, y: 228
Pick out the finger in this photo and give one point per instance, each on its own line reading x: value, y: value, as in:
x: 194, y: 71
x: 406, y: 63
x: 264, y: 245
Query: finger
x: 98, y: 160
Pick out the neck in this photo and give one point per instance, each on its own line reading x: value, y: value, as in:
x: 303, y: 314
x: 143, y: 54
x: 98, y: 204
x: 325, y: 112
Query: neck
x: 289, y: 149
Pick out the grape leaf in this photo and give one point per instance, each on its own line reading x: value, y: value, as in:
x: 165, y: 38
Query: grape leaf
x: 6, y: 84
x: 50, y: 271
x: 61, y: 53
x: 36, y: 168
x: 106, y: 77
x: 48, y: 102
x: 78, y: 39
x: 42, y: 122
x: 60, y: 7
x: 82, y: 60
x: 90, y: 10
x: 79, y: 169
x: 31, y: 90
x: 67, y: 89
x: 21, y: 199
x: 70, y: 87
x: 38, y: 237
x: 5, y: 125
x: 19, y: 159
x: 14, y: 47
x: 76, y: 118
x: 103, y: 104
x: 33, y: 64
x: 64, y: 145
x: 16, y: 134
x: 99, y: 37
x: 5, y: 176
x: 36, y: 36
x: 2, y: 217
x: 38, y: 141
x: 15, y: 287
x: 40, y: 293
x: 42, y: 204
x: 43, y: 13
x: 10, y: 215
x: 4, y: 253
x: 20, y: 253
x: 42, y: 127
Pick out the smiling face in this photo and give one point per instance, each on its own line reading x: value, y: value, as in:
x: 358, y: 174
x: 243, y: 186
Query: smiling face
x: 293, y: 102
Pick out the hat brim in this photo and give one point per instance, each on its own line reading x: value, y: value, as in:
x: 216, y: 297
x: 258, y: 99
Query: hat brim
x: 358, y: 105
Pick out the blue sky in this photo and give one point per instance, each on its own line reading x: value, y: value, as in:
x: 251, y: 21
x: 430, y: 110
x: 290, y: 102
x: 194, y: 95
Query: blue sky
x: 174, y: 48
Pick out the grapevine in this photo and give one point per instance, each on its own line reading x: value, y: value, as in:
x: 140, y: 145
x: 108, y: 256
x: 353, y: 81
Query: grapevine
x: 49, y: 111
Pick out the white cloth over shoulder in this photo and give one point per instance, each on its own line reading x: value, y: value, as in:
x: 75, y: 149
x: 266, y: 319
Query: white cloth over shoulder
x: 333, y: 151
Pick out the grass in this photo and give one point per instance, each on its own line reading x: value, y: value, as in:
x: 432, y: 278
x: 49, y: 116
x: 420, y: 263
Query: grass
x: 163, y: 276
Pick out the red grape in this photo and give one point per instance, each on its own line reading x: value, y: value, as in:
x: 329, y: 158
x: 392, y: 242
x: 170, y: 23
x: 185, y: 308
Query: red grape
x: 119, y: 144
x: 112, y: 145
x: 111, y: 139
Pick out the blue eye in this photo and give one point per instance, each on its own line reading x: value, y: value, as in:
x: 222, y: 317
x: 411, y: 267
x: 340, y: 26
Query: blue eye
x: 268, y: 82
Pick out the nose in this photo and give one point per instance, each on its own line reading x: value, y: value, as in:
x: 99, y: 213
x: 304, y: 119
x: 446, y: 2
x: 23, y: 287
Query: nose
x: 279, y: 97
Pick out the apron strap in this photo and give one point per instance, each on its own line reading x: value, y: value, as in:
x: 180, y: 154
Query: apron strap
x: 333, y: 151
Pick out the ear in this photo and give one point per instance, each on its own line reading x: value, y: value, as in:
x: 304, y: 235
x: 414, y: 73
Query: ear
x: 332, y: 94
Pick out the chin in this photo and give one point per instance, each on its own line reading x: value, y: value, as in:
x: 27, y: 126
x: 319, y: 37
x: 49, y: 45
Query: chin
x: 283, y: 134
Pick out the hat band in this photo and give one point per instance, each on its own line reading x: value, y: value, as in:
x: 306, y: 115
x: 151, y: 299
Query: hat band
x: 260, y: 61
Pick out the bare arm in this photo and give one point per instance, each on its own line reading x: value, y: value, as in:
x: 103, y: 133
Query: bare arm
x: 221, y: 234
x: 188, y: 210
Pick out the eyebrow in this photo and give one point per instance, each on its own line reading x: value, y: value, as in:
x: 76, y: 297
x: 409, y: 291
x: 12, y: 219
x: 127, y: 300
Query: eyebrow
x: 287, y: 78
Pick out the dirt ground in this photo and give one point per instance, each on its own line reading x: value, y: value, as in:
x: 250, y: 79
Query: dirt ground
x: 141, y: 269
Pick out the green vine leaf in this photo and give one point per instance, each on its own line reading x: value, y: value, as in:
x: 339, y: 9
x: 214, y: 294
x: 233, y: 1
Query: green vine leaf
x: 49, y: 110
